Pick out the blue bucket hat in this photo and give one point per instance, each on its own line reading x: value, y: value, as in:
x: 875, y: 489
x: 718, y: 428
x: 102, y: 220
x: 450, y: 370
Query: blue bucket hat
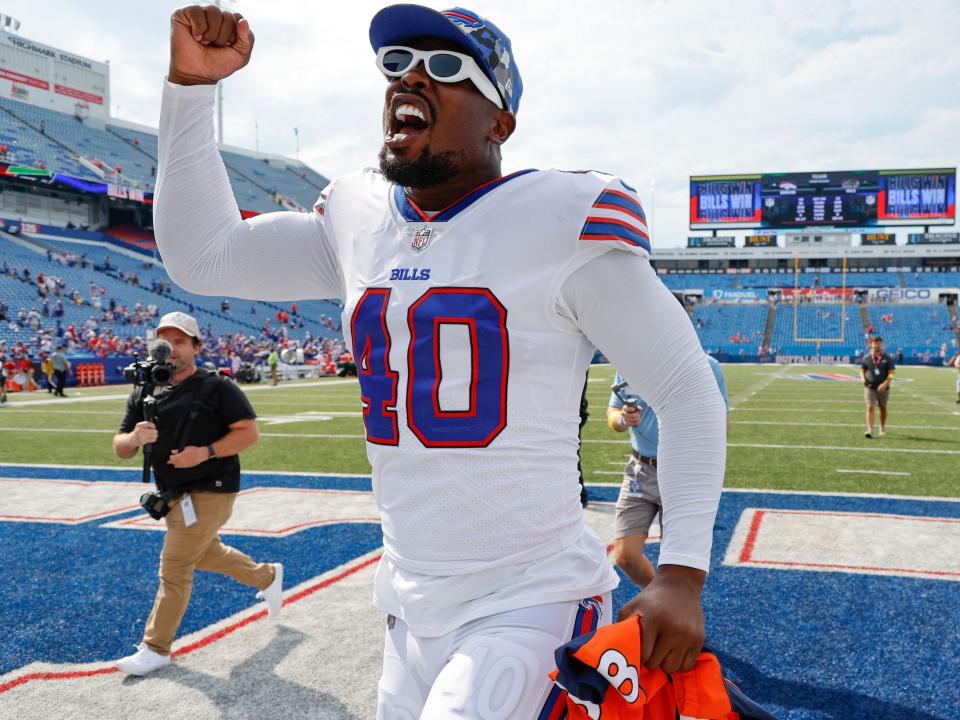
x: 480, y: 38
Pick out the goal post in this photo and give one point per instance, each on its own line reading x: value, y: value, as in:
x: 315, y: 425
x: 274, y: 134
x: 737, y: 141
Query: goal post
x: 819, y: 314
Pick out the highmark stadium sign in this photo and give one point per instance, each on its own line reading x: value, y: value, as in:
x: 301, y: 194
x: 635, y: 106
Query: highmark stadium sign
x: 49, y: 52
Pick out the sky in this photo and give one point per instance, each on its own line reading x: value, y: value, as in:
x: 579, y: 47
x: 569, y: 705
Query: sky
x: 650, y: 90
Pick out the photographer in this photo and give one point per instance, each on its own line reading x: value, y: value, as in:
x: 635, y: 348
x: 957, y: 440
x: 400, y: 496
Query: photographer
x: 203, y: 421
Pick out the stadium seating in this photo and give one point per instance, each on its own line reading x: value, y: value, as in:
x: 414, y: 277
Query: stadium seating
x: 244, y: 317
x: 38, y: 136
x: 735, y: 329
x: 915, y: 329
x: 29, y: 147
x: 275, y: 180
x: 796, y: 329
x: 699, y: 281
x: 89, y: 142
x: 825, y: 280
x: 933, y: 280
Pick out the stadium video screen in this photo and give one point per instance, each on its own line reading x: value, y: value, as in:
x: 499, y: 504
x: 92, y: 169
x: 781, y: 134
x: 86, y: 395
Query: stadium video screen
x: 855, y: 198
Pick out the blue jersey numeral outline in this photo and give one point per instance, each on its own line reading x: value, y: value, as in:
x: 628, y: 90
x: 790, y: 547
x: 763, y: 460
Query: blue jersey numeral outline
x: 485, y: 319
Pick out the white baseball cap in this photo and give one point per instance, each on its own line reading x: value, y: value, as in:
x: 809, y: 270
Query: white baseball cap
x: 180, y: 321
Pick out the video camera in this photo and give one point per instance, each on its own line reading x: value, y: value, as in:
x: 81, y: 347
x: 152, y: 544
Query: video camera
x: 628, y: 400
x: 155, y: 370
x: 157, y: 504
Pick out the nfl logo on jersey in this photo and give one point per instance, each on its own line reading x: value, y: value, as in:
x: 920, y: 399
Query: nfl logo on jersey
x: 420, y: 238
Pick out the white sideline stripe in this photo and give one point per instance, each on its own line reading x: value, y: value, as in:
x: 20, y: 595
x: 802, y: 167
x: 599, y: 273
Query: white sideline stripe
x: 603, y: 442
x: 113, y: 432
x: 836, y: 424
x: 843, y: 412
x: 59, y: 430
x: 872, y: 448
x: 827, y: 493
x: 245, y: 388
x: 321, y: 473
x: 771, y: 401
x: 872, y: 472
x: 116, y: 468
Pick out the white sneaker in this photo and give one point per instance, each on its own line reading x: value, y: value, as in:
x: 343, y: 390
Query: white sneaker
x: 272, y: 595
x: 143, y: 662
x: 882, y: 432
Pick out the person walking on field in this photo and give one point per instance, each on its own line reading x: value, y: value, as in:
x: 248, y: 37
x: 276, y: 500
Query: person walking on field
x: 273, y: 360
x: 876, y: 373
x: 61, y: 367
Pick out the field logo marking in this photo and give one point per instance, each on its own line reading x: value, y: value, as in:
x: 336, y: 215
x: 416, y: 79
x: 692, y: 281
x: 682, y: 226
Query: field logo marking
x: 847, y: 542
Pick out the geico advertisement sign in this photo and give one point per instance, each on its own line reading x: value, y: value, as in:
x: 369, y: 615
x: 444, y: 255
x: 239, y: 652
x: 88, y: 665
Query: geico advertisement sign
x: 917, y: 295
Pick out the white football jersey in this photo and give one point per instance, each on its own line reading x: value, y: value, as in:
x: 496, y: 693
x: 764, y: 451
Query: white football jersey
x: 470, y: 379
x: 469, y: 327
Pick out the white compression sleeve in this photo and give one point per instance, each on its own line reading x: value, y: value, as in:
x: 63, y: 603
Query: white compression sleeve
x: 206, y: 247
x: 620, y: 304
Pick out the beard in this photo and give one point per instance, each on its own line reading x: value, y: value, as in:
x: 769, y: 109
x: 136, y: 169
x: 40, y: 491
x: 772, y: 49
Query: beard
x: 426, y: 171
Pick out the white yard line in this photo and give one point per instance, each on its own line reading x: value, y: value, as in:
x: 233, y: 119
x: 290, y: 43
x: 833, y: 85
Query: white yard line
x: 752, y: 390
x: 770, y: 401
x: 897, y: 426
x: 845, y: 412
x: 74, y: 395
x: 872, y: 472
x: 865, y: 448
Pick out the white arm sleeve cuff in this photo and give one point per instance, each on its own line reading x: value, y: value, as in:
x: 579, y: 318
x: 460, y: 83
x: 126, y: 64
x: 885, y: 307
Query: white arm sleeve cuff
x: 620, y: 304
x: 206, y: 247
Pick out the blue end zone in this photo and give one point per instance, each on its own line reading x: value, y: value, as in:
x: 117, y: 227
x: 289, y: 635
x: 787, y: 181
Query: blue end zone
x: 825, y: 645
x: 82, y: 593
x: 806, y: 645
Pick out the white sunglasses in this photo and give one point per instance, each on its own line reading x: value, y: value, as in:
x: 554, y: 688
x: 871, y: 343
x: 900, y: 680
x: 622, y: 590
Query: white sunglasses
x: 442, y: 65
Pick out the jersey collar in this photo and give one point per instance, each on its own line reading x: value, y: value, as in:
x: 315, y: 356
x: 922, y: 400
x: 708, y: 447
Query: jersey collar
x: 411, y: 213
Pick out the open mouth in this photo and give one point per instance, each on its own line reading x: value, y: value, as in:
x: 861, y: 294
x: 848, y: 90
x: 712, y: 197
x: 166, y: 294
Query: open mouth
x: 409, y: 116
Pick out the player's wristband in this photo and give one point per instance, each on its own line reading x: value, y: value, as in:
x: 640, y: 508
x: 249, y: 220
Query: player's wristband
x: 612, y: 421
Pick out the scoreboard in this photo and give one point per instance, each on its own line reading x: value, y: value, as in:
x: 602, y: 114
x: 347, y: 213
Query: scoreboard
x: 854, y: 198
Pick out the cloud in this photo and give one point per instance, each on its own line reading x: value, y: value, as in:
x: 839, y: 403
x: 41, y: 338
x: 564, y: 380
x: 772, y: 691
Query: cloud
x: 648, y: 90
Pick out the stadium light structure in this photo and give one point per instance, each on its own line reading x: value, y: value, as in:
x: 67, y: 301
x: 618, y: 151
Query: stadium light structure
x: 220, y: 4
x: 9, y: 23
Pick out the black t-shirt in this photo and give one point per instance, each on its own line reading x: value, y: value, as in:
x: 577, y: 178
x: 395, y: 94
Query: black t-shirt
x: 227, y: 405
x: 876, y: 372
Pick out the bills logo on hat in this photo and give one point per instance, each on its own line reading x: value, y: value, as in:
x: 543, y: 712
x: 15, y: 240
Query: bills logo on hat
x: 420, y: 238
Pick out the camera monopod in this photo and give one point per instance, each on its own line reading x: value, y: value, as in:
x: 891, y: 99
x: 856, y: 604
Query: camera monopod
x: 150, y: 415
x: 625, y: 399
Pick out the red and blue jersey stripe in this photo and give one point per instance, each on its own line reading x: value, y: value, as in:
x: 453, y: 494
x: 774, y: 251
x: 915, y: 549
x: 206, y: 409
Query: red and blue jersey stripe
x: 618, y: 216
x: 587, y: 620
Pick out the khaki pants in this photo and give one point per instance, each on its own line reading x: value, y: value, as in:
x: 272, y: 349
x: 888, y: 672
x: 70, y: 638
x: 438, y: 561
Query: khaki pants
x: 196, y: 547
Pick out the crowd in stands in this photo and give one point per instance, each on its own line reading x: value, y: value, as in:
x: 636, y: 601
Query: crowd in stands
x: 39, y: 330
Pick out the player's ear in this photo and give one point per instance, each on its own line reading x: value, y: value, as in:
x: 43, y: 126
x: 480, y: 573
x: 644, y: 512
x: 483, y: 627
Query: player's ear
x: 502, y: 125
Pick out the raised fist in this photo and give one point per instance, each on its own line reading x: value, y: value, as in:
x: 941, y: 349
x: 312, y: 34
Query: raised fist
x: 207, y: 44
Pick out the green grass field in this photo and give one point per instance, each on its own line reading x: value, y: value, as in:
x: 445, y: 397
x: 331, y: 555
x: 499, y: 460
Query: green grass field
x: 786, y: 433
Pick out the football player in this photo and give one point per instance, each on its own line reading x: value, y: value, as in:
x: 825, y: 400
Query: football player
x: 473, y: 303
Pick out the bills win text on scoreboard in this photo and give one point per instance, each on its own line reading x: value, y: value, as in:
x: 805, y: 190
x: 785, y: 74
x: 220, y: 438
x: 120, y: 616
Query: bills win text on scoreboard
x: 847, y: 198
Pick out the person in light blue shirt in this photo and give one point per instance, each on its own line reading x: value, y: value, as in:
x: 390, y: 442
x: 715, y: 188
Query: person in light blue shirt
x: 639, y: 501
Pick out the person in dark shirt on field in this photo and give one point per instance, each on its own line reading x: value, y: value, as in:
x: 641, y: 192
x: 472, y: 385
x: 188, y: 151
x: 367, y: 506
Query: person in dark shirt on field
x: 876, y: 372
